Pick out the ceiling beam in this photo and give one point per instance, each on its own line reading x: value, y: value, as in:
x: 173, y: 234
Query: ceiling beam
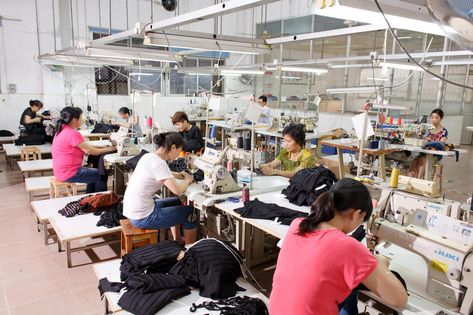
x: 137, y: 30
x: 325, y: 34
x: 206, y: 13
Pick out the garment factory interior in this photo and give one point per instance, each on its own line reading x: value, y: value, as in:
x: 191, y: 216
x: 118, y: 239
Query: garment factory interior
x: 282, y: 157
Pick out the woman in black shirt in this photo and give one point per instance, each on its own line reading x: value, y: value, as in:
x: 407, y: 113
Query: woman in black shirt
x: 191, y: 133
x: 31, y: 121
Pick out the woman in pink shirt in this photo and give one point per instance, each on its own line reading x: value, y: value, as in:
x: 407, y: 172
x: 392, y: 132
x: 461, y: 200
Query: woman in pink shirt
x: 319, y: 265
x: 68, y: 151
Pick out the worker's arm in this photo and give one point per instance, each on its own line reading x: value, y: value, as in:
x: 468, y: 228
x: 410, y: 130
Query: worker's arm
x: 125, y: 124
x: 179, y: 188
x: 93, y: 150
x: 385, y: 285
x: 274, y: 164
x: 28, y: 120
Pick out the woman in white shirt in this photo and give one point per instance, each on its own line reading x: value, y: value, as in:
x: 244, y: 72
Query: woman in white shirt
x: 132, y: 121
x: 152, y: 173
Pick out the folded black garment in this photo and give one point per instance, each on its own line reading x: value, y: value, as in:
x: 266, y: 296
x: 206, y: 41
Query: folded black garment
x: 107, y: 286
x: 146, y: 283
x: 158, y: 257
x: 256, y: 209
x: 234, y: 306
x: 140, y: 303
x: 110, y: 218
x: 211, y: 266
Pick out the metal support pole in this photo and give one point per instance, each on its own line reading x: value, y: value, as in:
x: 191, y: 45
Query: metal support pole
x: 420, y: 83
x: 54, y: 25
x: 109, y: 17
x: 37, y: 26
x: 345, y: 74
x: 467, y: 77
x: 391, y: 73
x: 443, y: 69
x: 72, y: 23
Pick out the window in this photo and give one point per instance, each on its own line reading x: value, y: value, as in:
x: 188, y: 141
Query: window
x: 111, y: 80
x: 189, y: 83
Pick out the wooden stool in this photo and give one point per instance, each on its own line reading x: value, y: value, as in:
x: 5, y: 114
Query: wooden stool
x: 133, y: 237
x: 55, y: 187
x: 30, y: 153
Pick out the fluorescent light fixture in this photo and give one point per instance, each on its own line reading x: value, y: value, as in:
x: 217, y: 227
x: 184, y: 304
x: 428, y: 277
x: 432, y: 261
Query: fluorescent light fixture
x: 404, y: 66
x: 197, y: 73
x: 378, y: 79
x: 240, y: 71
x: 349, y: 90
x: 458, y: 62
x: 355, y: 65
x: 144, y: 74
x: 300, y: 69
x: 288, y: 78
x: 400, y: 14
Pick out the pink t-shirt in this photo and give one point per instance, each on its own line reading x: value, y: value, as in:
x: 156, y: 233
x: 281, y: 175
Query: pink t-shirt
x: 316, y: 272
x: 67, y: 157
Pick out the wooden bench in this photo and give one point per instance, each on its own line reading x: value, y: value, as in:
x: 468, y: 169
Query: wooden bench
x: 37, y: 187
x: 28, y: 167
x: 30, y: 153
x: 55, y: 187
x: 133, y: 237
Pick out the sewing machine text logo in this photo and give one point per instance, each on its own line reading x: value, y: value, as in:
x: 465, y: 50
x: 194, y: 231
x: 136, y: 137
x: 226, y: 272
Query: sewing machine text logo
x: 446, y: 255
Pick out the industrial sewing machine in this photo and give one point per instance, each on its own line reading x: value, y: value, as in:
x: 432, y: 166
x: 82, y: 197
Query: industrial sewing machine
x: 234, y: 119
x: 436, y: 231
x: 310, y: 123
x: 217, y: 179
x: 122, y: 141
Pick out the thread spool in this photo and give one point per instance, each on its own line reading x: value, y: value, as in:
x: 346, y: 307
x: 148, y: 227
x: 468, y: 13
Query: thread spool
x: 213, y: 132
x: 240, y: 142
x: 149, y: 122
x: 394, y: 180
x: 230, y: 166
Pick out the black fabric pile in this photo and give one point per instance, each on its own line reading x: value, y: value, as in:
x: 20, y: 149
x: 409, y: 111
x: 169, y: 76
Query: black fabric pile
x: 255, y: 209
x: 131, y: 163
x: 153, y: 276
x: 150, y: 259
x: 6, y: 133
x: 234, y: 306
x: 308, y: 184
x: 104, y: 128
x: 111, y: 217
x: 211, y: 266
x: 72, y: 208
x: 180, y: 165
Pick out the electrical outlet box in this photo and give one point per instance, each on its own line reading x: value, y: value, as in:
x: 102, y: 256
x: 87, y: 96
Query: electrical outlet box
x: 12, y: 88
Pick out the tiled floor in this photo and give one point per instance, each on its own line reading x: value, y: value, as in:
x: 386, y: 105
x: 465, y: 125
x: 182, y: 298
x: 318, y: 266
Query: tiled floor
x: 34, y: 279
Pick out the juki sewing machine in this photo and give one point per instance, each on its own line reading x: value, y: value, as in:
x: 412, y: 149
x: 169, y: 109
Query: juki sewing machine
x: 121, y: 140
x: 436, y: 231
x: 217, y: 179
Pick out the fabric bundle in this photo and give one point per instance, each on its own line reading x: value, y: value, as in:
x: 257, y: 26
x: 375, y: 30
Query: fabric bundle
x: 308, y: 184
x: 256, y: 209
x: 89, y: 204
x: 181, y: 165
x: 239, y: 305
x: 111, y: 217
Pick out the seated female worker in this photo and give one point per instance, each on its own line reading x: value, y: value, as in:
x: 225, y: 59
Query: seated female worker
x: 438, y: 134
x: 152, y: 173
x: 132, y: 121
x: 325, y: 264
x: 192, y: 134
x: 68, y: 151
x: 31, y: 120
x: 293, y: 157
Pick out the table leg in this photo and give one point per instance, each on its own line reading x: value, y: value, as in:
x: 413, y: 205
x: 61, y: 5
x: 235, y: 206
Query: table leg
x: 68, y: 253
x: 429, y: 161
x: 45, y: 233
x: 341, y: 166
x: 382, y: 166
x: 107, y: 308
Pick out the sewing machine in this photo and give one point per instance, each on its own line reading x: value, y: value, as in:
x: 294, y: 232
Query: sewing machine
x: 217, y: 179
x: 310, y: 123
x: 234, y: 119
x: 121, y: 140
x: 432, y: 229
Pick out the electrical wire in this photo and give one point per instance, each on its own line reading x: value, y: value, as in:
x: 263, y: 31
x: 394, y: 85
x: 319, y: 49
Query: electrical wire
x: 410, y: 56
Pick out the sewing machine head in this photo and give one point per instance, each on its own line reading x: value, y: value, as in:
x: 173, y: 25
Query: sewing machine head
x: 433, y: 231
x: 217, y: 180
x: 234, y: 119
x: 122, y: 141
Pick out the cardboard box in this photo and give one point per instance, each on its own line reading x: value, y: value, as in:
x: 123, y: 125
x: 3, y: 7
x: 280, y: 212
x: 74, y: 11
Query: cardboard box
x: 333, y: 166
x: 330, y: 106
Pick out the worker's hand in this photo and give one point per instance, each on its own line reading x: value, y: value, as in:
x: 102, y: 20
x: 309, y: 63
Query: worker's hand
x: 270, y: 171
x: 382, y: 260
x: 371, y: 242
x: 188, y: 178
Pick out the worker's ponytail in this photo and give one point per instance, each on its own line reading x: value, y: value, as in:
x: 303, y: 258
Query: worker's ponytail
x: 67, y: 114
x: 344, y: 195
x: 167, y: 139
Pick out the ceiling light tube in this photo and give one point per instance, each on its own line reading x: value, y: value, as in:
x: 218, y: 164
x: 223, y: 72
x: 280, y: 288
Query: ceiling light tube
x: 349, y: 90
x: 403, y: 66
x: 145, y: 74
x: 300, y: 69
x: 241, y: 71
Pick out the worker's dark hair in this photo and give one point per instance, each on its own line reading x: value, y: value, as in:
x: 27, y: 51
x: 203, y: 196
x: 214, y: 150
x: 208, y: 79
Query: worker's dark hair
x: 179, y: 117
x: 345, y: 194
x: 67, y: 114
x: 263, y: 98
x: 437, y: 111
x: 296, y: 131
x: 167, y: 139
x: 124, y: 110
x: 37, y: 103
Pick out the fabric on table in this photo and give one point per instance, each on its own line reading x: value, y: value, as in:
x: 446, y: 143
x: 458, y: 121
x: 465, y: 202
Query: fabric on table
x: 156, y: 257
x: 213, y: 267
x: 256, y: 209
x: 111, y: 217
x: 107, y: 286
x: 234, y: 306
x: 147, y: 283
x: 308, y: 184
